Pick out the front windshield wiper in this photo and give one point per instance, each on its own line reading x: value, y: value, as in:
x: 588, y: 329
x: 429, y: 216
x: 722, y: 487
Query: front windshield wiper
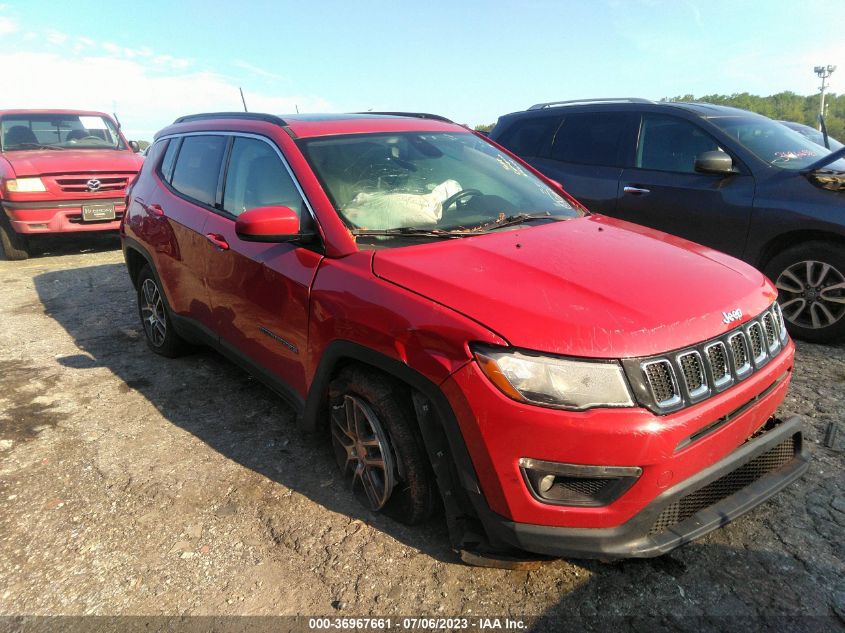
x: 31, y: 146
x: 409, y: 231
x: 826, y: 160
x: 509, y: 220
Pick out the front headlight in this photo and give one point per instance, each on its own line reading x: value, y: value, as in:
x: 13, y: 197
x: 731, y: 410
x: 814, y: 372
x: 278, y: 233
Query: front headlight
x: 555, y: 382
x: 25, y: 185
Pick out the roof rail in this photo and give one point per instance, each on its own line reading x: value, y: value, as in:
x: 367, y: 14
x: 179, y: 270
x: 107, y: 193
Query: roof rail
x: 551, y: 104
x: 252, y: 116
x: 416, y: 115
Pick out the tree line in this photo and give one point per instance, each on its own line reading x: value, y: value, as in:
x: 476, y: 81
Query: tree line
x: 784, y: 106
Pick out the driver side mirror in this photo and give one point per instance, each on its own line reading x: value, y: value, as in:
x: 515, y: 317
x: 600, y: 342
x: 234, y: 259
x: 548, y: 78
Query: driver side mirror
x: 714, y: 162
x: 133, y: 145
x: 270, y: 224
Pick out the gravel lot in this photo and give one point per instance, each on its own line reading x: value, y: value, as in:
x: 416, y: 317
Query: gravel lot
x: 135, y: 485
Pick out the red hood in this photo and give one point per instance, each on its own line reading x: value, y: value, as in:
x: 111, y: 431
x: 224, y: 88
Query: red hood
x: 593, y: 286
x: 36, y: 162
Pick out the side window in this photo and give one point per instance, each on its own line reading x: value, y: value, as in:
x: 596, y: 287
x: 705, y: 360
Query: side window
x: 257, y: 178
x: 671, y: 144
x: 166, y: 168
x: 527, y: 136
x: 197, y: 167
x: 592, y: 139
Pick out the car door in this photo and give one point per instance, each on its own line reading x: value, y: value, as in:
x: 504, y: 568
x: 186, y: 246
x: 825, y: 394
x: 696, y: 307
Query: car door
x: 587, y: 155
x: 662, y: 189
x: 260, y: 291
x: 175, y: 216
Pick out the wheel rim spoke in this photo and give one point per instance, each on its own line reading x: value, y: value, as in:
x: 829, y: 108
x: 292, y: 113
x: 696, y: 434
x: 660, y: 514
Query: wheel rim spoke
x: 797, y: 285
x: 812, y: 294
x: 361, y: 446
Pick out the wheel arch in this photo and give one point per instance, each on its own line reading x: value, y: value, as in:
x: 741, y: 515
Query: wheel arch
x: 784, y: 241
x: 444, y: 442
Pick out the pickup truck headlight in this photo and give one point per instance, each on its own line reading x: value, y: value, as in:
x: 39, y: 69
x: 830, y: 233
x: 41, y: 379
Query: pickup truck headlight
x: 25, y: 185
x: 555, y: 382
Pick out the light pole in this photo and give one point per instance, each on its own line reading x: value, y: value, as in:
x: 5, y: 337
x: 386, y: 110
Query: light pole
x: 823, y: 72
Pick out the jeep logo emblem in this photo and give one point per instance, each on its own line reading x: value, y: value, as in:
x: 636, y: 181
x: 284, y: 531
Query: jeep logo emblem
x: 730, y: 317
x: 93, y: 184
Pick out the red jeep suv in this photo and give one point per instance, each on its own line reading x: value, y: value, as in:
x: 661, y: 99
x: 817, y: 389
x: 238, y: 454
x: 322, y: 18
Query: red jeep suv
x: 61, y: 171
x: 464, y: 333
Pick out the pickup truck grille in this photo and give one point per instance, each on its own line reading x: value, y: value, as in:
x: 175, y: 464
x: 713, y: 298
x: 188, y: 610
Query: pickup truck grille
x: 672, y: 381
x: 91, y: 183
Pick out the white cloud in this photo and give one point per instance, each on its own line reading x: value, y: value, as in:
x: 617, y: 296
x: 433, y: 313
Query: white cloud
x: 256, y: 70
x: 146, y: 95
x: 8, y: 25
x: 56, y: 37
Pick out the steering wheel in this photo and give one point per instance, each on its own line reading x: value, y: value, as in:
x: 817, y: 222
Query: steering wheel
x: 456, y: 197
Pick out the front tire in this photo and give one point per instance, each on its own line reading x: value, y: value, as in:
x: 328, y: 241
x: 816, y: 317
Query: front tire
x: 378, y: 445
x: 15, y: 246
x: 810, y: 279
x: 161, y: 337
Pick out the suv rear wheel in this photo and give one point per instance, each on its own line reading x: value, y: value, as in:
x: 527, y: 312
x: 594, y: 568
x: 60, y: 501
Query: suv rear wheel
x: 378, y: 446
x: 155, y: 317
x: 810, y: 279
x: 15, y: 245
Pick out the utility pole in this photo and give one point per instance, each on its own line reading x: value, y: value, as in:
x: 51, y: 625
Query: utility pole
x: 824, y: 72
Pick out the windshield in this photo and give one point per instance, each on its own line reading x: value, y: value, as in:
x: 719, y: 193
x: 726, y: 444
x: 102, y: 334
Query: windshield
x: 774, y: 143
x: 58, y: 131
x: 813, y: 134
x: 432, y: 181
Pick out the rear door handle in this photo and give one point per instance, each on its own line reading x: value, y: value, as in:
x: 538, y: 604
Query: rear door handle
x: 152, y: 209
x: 218, y: 240
x: 635, y: 190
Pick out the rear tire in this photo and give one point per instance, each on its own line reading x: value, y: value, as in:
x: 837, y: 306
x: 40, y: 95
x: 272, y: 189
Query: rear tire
x: 15, y: 246
x: 161, y: 337
x: 810, y: 278
x: 378, y: 445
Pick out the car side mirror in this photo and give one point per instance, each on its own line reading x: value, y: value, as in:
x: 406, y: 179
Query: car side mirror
x: 714, y: 162
x: 133, y: 145
x: 269, y: 224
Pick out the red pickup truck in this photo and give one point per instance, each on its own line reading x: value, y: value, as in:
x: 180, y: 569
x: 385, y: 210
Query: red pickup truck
x: 61, y: 171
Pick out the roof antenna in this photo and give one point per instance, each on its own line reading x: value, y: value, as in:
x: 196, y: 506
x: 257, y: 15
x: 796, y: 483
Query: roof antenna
x: 242, y: 98
x: 296, y: 105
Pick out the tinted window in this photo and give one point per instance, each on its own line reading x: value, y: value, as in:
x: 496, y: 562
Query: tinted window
x: 671, y: 144
x: 527, y: 136
x: 257, y: 178
x: 198, y: 167
x: 166, y: 169
x: 591, y: 139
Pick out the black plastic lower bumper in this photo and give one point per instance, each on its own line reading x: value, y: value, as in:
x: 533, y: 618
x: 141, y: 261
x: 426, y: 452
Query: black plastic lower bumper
x: 768, y: 463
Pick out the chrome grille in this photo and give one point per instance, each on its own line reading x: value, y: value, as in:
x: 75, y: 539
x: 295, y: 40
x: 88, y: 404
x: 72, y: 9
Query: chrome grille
x: 692, y: 370
x: 80, y: 184
x: 717, y: 356
x: 778, y: 314
x: 755, y: 335
x: 661, y: 379
x: 739, y: 349
x: 670, y: 382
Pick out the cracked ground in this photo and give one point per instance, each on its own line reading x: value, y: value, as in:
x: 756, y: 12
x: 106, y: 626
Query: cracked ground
x: 135, y: 485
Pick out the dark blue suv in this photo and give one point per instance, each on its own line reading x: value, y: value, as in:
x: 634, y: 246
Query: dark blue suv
x: 724, y: 177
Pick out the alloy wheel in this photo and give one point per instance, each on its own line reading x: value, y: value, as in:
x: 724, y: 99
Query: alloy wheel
x: 361, y: 448
x: 812, y: 294
x: 152, y: 313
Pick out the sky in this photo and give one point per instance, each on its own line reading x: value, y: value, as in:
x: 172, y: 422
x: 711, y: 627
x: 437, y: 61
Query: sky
x: 472, y: 61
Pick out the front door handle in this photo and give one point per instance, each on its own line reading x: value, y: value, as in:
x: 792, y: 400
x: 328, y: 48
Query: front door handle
x: 635, y: 190
x: 218, y: 240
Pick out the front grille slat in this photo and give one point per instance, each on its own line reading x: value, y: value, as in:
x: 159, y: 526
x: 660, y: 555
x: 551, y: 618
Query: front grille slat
x: 669, y: 382
x: 79, y: 184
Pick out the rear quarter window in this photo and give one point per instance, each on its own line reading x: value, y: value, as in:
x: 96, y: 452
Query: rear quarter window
x: 197, y: 168
x: 528, y: 136
x: 593, y: 139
